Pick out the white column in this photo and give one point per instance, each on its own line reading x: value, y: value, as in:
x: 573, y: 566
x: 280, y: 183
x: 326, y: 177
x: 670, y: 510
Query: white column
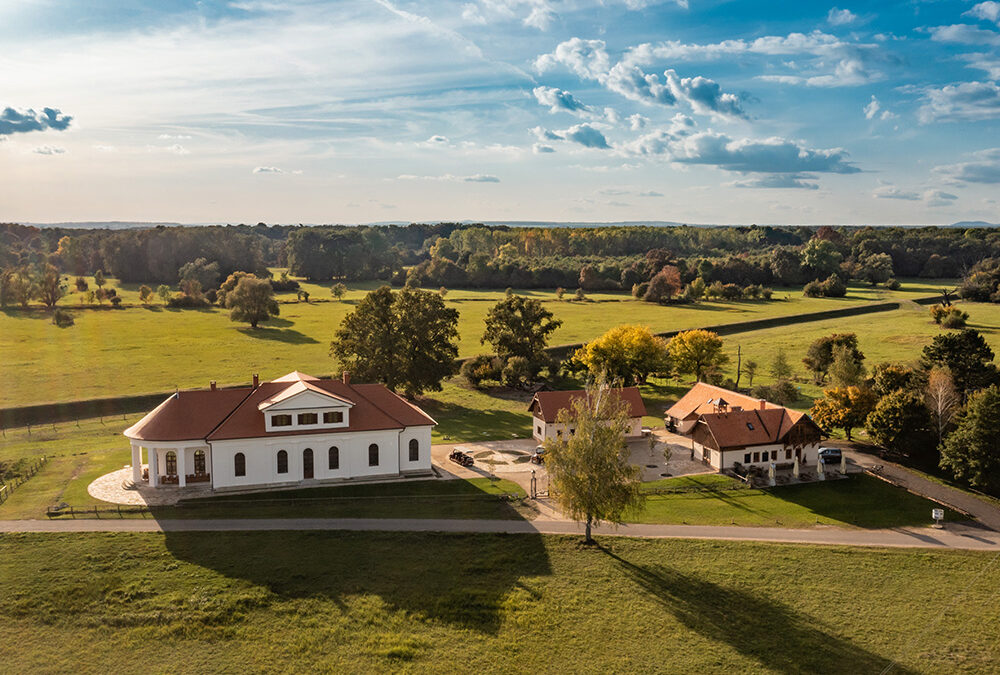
x: 154, y: 468
x: 136, y: 464
x: 181, y: 467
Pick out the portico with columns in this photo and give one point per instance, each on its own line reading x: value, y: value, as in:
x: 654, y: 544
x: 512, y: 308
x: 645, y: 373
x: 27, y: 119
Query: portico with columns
x: 176, y: 463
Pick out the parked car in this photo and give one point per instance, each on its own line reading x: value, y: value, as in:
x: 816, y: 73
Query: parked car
x: 830, y: 455
x: 461, y: 458
x: 538, y: 456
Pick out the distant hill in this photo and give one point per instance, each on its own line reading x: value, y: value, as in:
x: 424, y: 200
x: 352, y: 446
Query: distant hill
x: 972, y: 223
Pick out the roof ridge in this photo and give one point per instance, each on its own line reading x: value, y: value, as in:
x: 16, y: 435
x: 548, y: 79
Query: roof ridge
x: 239, y: 405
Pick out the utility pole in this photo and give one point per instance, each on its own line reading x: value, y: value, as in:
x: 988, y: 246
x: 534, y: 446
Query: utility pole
x: 739, y: 365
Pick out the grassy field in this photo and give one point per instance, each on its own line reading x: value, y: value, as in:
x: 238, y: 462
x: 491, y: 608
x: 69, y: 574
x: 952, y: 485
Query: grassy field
x: 859, y: 501
x: 152, y: 349
x: 383, y: 602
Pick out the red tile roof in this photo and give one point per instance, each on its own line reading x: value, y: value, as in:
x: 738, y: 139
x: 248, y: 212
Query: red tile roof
x: 703, y: 398
x: 547, y: 404
x: 233, y: 413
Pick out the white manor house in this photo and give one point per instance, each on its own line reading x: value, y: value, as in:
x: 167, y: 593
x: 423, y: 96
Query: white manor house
x: 295, y: 430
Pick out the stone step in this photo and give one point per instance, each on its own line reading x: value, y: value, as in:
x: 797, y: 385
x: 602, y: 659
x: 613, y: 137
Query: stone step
x: 129, y: 484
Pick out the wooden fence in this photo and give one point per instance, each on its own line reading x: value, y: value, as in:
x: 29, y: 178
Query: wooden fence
x: 8, y: 487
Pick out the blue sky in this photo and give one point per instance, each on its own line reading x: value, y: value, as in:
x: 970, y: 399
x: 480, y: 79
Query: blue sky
x: 361, y: 111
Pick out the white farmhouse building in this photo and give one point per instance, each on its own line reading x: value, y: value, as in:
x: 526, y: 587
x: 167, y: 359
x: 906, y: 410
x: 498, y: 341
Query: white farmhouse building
x: 545, y: 407
x: 292, y: 431
x: 726, y: 428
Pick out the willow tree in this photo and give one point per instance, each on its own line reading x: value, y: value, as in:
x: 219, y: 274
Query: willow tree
x: 589, y: 469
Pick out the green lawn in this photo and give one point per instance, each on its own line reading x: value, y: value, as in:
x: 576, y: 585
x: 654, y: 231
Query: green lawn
x: 859, y: 501
x: 425, y: 603
x: 152, y: 349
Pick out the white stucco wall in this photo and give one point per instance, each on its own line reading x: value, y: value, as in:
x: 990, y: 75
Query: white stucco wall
x: 262, y: 464
x: 541, y: 431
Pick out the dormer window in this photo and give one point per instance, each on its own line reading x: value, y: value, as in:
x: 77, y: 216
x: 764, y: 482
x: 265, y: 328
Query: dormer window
x: 750, y: 426
x: 281, y: 420
x: 308, y: 418
x: 335, y: 417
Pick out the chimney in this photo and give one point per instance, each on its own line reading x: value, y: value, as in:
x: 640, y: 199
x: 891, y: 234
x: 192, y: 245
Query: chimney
x: 256, y: 380
x: 762, y: 403
x: 212, y: 385
x: 346, y: 377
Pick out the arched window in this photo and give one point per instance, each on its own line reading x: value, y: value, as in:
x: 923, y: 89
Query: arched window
x: 414, y: 450
x: 373, y: 454
x: 334, y: 458
x: 282, y: 461
x: 199, y: 462
x: 240, y: 464
x: 171, y: 463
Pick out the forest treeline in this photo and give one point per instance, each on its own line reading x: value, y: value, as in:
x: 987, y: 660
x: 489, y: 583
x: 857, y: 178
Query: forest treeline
x: 455, y: 255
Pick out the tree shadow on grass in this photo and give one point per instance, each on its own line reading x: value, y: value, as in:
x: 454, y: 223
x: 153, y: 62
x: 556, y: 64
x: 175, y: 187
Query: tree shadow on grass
x: 774, y: 635
x: 462, y: 580
x: 285, y: 335
x: 471, y: 424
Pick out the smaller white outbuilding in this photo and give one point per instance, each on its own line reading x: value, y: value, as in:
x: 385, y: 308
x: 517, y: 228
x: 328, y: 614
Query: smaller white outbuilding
x: 546, y: 405
x: 297, y: 429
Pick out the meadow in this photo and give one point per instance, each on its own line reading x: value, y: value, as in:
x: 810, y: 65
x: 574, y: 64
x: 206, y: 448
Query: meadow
x: 137, y: 350
x: 394, y: 602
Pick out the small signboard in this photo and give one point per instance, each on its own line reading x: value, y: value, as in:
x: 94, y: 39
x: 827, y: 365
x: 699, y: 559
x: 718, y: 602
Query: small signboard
x: 938, y: 516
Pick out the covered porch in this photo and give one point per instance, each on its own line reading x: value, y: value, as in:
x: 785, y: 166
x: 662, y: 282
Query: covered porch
x: 171, y: 464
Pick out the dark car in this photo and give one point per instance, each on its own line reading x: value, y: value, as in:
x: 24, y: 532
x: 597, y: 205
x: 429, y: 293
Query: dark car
x: 461, y: 458
x: 538, y: 457
x: 830, y: 455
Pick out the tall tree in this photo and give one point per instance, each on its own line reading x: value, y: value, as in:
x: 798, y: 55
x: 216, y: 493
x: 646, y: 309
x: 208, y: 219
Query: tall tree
x: 889, y: 377
x: 251, y: 301
x: 943, y: 400
x: 589, y: 470
x: 972, y: 451
x: 49, y: 288
x: 627, y: 354
x: 406, y: 340
x: 780, y: 369
x: 901, y: 423
x: 519, y: 326
x: 843, y: 408
x: 664, y: 286
x: 819, y: 356
x: 696, y: 352
x: 968, y: 357
x: 846, y: 370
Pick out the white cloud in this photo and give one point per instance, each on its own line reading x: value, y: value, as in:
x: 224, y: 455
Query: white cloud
x: 175, y: 149
x: 542, y: 149
x: 931, y: 197
x: 778, y: 181
x: 541, y: 17
x: 22, y: 121
x: 587, y: 58
x: 475, y: 178
x: 841, y: 17
x: 984, y: 63
x: 268, y: 169
x: 871, y: 108
x: 637, y: 122
x: 585, y: 135
x: 49, y: 150
x: 471, y: 14
x: 987, y: 11
x: 173, y: 137
x: 558, y: 99
x: 437, y: 139
x: 963, y: 33
x: 963, y: 102
x: 984, y: 168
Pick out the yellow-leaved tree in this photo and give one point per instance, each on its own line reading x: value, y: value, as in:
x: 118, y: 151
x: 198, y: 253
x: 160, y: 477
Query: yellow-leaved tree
x: 627, y: 353
x: 696, y: 352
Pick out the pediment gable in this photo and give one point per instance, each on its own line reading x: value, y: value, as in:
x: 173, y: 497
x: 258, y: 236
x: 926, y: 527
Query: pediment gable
x: 301, y: 396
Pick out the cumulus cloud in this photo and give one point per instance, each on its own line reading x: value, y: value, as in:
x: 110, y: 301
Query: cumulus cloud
x: 852, y: 62
x: 984, y: 168
x: 22, y: 121
x: 873, y: 108
x: 543, y: 134
x: 985, y: 63
x: 437, y: 139
x: 49, y: 150
x: 778, y: 181
x: 963, y: 102
x: 174, y: 137
x: 987, y: 11
x: 541, y: 17
x: 650, y: 193
x: 268, y: 169
x: 589, y: 60
x: 542, y: 149
x: 930, y: 197
x: 471, y: 14
x: 769, y: 155
x: 637, y: 122
x: 558, y: 99
x: 963, y: 33
x: 585, y: 135
x: 481, y: 178
x: 841, y: 17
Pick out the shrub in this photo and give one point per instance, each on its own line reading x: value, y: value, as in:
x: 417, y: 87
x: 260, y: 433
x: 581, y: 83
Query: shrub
x: 284, y: 284
x: 639, y: 290
x: 116, y: 301
x: 579, y: 295
x: 954, y: 318
x: 834, y: 287
x: 813, y: 289
x: 81, y: 284
x: 938, y: 312
x: 212, y: 296
x: 517, y: 371
x: 480, y: 368
x: 781, y: 392
x: 892, y: 284
x: 183, y: 301
x: 62, y: 318
x: 560, y: 292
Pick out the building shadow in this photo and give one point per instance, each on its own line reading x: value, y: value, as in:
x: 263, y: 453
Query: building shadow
x: 774, y: 635
x: 459, y: 421
x: 458, y: 579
